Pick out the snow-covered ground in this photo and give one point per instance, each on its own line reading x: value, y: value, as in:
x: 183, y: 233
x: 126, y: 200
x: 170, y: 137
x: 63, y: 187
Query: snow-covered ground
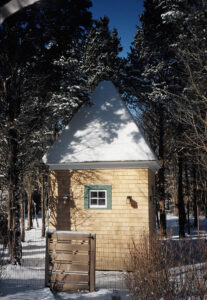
x: 46, y: 294
x: 172, y: 227
x: 26, y: 282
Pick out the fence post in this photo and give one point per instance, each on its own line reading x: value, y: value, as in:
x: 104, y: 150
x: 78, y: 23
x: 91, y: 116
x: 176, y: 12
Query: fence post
x: 92, y: 262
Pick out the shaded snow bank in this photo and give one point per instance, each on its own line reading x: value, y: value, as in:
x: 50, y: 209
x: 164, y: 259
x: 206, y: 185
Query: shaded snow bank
x: 173, y: 227
x: 46, y: 294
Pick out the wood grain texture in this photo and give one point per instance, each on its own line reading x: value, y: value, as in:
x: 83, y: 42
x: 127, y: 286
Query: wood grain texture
x: 69, y: 278
x: 69, y: 267
x: 68, y: 247
x: 69, y: 257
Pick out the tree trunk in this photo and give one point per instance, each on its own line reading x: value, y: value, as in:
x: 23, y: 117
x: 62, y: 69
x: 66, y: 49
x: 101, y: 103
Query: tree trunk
x: 43, y: 206
x: 182, y: 216
x: 29, y: 205
x: 14, y: 232
x: 161, y: 177
x: 205, y: 205
x: 175, y: 189
x: 205, y: 202
x: 198, y: 225
x: 187, y: 189
x: 22, y: 208
x: 162, y: 202
x: 56, y: 132
x: 47, y: 197
x: 10, y: 216
x: 194, y: 198
x: 188, y: 214
x: 157, y: 215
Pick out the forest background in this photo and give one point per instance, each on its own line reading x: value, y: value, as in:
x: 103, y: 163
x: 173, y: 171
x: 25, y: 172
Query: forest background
x: 53, y: 54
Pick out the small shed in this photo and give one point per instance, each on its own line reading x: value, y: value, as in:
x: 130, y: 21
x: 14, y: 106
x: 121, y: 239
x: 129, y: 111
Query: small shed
x: 102, y: 177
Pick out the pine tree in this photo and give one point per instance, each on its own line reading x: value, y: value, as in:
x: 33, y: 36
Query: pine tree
x: 101, y: 49
x: 33, y: 96
x: 190, y: 48
x: 152, y: 76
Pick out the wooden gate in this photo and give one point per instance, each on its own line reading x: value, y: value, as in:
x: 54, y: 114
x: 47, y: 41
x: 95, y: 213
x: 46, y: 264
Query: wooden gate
x: 70, y: 260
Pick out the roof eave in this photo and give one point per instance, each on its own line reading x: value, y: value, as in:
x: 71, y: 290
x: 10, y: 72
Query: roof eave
x: 153, y: 165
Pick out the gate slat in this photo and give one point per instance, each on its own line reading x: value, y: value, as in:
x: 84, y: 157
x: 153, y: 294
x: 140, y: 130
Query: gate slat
x: 69, y: 267
x: 65, y: 247
x: 70, y: 236
x: 69, y: 257
x: 69, y: 277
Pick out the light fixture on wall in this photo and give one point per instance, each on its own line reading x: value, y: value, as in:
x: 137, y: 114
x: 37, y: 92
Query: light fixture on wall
x: 65, y: 198
x: 128, y: 199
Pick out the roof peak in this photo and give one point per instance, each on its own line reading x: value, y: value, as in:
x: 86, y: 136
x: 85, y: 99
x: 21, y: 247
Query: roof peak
x: 104, y: 131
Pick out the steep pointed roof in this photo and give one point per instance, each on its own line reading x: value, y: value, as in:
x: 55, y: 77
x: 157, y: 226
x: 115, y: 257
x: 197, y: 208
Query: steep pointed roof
x: 103, y: 134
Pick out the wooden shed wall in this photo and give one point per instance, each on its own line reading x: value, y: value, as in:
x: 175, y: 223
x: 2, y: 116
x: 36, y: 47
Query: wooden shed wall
x: 114, y: 227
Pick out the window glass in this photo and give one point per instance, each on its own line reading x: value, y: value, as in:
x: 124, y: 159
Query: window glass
x: 102, y: 194
x: 93, y: 201
x: 93, y: 194
x: 102, y: 202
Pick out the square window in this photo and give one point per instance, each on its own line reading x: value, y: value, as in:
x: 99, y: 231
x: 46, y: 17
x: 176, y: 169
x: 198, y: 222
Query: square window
x: 97, y: 197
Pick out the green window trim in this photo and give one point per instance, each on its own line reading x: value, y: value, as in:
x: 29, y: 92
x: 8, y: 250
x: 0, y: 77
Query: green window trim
x: 87, y: 189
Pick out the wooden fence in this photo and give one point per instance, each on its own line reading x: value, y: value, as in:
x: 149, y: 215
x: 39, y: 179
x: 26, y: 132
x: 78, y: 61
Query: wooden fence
x: 70, y: 260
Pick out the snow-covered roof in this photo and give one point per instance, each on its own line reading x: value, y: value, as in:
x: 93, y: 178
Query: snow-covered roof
x: 101, y: 133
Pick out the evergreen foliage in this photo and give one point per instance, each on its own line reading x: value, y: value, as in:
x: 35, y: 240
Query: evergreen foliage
x: 157, y: 78
x: 37, y: 43
x: 101, y: 49
x: 51, y: 56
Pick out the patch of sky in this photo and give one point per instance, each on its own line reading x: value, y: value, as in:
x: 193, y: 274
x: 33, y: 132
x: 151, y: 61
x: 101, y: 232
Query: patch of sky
x: 24, y: 25
x: 42, y: 11
x: 63, y: 11
x: 50, y: 44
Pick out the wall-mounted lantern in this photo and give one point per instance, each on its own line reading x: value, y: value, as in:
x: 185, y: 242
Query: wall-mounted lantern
x: 65, y: 198
x: 128, y: 199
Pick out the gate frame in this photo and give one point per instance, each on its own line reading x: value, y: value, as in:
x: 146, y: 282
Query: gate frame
x: 91, y: 253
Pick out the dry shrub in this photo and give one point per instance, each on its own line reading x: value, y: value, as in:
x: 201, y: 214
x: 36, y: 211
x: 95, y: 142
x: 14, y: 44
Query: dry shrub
x: 167, y: 269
